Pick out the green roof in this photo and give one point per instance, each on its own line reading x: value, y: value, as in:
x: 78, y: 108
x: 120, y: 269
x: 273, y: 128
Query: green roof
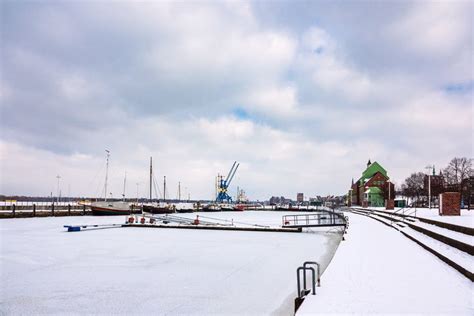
x: 373, y: 169
x: 374, y: 190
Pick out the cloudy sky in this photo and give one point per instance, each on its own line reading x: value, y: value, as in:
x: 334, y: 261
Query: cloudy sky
x: 301, y: 93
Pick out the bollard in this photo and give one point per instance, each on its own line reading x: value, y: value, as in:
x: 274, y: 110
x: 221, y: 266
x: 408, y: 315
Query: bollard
x: 69, y: 209
x: 34, y: 210
x: 83, y: 209
x: 13, y: 209
x: 52, y: 209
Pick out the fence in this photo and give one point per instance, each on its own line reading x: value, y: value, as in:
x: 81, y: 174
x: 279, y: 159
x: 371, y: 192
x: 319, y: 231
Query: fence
x: 43, y: 209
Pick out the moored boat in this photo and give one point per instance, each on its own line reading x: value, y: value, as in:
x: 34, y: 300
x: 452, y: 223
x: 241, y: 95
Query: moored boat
x: 110, y: 208
x: 211, y: 208
x: 226, y: 207
x: 105, y: 207
x: 239, y: 207
x: 184, y: 207
x: 158, y: 208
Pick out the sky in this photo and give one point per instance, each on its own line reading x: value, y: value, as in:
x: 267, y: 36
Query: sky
x: 300, y: 93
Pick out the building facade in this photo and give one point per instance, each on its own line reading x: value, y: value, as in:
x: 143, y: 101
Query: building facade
x: 299, y: 197
x: 372, y: 188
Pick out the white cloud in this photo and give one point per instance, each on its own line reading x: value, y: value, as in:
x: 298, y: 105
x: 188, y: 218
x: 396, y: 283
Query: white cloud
x: 321, y: 60
x: 279, y: 101
x: 435, y: 28
x: 161, y: 79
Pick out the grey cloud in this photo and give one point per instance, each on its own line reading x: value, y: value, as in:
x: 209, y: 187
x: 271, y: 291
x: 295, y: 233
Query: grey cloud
x: 83, y: 76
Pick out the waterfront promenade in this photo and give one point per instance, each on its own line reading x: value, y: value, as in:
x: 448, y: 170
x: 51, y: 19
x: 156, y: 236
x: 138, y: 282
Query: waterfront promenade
x: 377, y: 270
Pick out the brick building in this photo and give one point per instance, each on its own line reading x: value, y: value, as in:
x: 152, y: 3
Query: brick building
x: 372, y: 188
x: 299, y: 197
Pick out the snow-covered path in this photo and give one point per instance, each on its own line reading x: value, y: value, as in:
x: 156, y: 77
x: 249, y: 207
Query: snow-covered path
x: 152, y: 271
x: 377, y: 270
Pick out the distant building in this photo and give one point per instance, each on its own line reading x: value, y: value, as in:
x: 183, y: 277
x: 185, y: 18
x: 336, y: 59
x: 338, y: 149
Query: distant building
x: 372, y: 187
x: 275, y: 200
x: 433, y: 185
x: 299, y: 198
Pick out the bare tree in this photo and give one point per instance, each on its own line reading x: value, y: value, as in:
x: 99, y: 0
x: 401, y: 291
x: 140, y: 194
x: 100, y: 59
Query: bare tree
x: 413, y: 186
x: 457, y: 170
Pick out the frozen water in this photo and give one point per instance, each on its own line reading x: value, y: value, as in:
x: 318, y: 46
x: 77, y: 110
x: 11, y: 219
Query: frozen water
x: 150, y: 270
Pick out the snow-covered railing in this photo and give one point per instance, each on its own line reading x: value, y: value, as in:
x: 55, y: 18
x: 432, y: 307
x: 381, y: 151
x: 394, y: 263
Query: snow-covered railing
x: 321, y: 219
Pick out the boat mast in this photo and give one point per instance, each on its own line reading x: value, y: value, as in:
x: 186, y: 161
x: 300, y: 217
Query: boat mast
x: 106, y: 173
x: 124, y: 185
x: 151, y: 175
x: 164, y: 189
x: 179, y: 191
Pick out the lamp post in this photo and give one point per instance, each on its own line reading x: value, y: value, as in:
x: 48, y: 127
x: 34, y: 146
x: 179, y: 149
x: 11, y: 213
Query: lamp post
x: 429, y: 185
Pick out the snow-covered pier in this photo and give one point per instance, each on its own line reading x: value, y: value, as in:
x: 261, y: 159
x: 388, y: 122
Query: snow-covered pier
x: 222, y: 228
x: 377, y: 270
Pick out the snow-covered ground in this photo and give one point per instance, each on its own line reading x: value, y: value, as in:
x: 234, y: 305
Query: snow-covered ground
x: 377, y: 270
x: 44, y: 269
x: 465, y: 219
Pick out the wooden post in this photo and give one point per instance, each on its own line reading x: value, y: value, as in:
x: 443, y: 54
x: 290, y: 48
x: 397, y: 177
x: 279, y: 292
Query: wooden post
x: 69, y: 209
x: 34, y: 210
x: 13, y: 209
x: 52, y: 209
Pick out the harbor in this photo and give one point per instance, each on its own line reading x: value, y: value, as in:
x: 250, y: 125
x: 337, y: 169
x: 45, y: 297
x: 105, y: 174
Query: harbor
x: 176, y: 270
x: 228, y: 158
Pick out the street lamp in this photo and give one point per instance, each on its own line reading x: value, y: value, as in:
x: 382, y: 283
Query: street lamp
x: 429, y: 184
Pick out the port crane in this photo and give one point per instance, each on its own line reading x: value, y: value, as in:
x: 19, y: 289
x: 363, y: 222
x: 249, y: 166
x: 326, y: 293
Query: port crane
x: 223, y: 184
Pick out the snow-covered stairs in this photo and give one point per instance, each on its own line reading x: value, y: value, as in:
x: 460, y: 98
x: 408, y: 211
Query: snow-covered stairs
x: 453, y: 247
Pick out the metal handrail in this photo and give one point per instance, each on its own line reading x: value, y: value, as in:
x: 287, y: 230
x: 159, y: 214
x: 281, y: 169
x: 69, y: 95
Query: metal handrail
x: 304, y: 269
x: 318, y: 269
x: 328, y: 218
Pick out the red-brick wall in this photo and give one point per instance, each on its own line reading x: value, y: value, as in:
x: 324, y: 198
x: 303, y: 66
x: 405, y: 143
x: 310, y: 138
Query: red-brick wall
x: 450, y: 203
x: 377, y: 177
x: 390, y: 204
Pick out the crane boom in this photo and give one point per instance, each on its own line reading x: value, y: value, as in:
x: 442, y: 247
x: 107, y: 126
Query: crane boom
x: 230, y: 172
x: 233, y: 174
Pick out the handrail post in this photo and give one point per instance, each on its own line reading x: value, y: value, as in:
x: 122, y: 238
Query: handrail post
x: 318, y: 269
x: 298, y: 281
x: 304, y: 280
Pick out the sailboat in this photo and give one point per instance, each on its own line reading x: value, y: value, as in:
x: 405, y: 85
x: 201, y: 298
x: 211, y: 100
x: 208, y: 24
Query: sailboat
x: 160, y: 207
x: 101, y: 208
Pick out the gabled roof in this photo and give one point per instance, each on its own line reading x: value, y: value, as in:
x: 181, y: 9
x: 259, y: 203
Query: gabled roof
x: 373, y: 169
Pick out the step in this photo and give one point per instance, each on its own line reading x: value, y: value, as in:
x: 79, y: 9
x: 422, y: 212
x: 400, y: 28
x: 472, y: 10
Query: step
x: 458, y: 257
x: 467, y: 239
